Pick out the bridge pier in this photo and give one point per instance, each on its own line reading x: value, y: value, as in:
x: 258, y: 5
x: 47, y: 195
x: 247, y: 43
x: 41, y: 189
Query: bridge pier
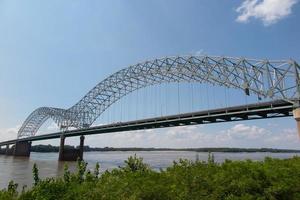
x: 6, y: 151
x: 9, y: 151
x: 81, y: 147
x: 70, y: 154
x: 296, y: 114
x: 2, y: 151
x: 22, y: 149
x: 61, y: 148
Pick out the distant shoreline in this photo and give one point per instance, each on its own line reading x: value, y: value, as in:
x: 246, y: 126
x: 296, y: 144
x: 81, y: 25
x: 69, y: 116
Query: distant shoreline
x: 50, y: 148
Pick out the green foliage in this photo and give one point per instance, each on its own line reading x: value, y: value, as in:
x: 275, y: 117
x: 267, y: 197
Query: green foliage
x: 10, y: 193
x: 67, y: 173
x: 12, y: 187
x: 97, y: 170
x: 211, y: 158
x: 81, y: 168
x: 135, y: 164
x: 270, y: 179
x: 35, y: 172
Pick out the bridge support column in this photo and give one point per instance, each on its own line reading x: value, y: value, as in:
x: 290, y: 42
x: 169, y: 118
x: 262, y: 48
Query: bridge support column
x: 61, y: 148
x: 70, y: 154
x: 2, y: 151
x: 7, y: 151
x: 296, y: 114
x: 81, y: 146
x: 22, y: 149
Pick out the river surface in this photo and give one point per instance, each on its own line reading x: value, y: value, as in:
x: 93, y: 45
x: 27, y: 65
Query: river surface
x: 20, y: 169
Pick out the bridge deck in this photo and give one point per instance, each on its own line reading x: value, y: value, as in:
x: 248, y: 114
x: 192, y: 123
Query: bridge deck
x: 272, y: 109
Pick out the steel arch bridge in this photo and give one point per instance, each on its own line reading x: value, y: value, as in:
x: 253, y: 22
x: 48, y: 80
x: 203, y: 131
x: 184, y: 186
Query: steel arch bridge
x: 272, y: 79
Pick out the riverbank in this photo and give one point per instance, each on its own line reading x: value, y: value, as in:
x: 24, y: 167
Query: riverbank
x: 268, y: 179
x: 50, y: 148
x: 19, y: 169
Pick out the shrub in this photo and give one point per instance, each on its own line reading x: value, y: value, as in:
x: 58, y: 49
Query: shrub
x: 134, y: 164
x: 184, y: 180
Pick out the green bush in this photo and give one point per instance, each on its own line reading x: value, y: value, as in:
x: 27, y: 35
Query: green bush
x: 184, y: 180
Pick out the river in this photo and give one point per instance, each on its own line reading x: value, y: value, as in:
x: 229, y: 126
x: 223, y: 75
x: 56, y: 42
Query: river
x: 20, y: 169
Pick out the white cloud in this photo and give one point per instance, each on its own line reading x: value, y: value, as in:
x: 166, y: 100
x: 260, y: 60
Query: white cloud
x: 9, y: 133
x: 237, y: 135
x: 286, y: 136
x: 200, y: 52
x: 242, y: 131
x: 269, y: 11
x: 52, y: 127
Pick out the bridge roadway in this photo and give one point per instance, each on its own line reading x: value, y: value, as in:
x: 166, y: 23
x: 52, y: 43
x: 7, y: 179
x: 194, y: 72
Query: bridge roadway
x: 271, y: 109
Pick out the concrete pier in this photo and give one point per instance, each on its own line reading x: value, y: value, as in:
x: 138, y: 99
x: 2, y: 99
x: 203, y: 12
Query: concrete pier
x: 9, y: 151
x: 70, y: 154
x: 81, y: 147
x: 61, y: 148
x: 296, y: 114
x: 2, y: 151
x: 22, y: 149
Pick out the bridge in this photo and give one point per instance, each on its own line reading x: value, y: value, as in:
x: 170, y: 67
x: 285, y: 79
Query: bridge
x: 276, y: 81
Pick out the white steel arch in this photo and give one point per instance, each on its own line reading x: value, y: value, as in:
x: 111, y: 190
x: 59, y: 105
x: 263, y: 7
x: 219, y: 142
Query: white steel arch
x: 274, y: 79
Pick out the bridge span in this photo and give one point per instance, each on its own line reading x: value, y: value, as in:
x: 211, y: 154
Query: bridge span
x: 275, y: 81
x: 271, y: 109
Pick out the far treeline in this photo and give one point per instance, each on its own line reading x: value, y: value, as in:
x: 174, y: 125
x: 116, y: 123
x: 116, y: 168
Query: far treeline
x: 50, y: 148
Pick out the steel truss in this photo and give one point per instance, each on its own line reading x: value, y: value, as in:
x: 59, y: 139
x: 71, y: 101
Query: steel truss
x: 272, y: 79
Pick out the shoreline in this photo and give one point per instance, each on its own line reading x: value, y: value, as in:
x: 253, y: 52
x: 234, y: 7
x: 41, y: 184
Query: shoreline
x: 50, y: 148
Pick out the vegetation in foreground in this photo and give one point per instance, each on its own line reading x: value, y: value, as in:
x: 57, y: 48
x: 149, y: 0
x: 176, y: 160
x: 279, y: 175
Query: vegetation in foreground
x: 268, y: 179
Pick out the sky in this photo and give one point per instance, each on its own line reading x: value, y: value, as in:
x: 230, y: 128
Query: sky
x: 53, y: 52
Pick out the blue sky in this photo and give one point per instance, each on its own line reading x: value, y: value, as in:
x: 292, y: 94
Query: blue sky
x: 53, y: 52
